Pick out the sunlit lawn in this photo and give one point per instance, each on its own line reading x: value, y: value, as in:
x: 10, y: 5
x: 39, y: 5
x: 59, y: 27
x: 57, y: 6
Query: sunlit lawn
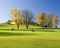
x: 25, y: 38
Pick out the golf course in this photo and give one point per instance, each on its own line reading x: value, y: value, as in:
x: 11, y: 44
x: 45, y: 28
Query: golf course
x: 26, y: 38
x: 29, y: 23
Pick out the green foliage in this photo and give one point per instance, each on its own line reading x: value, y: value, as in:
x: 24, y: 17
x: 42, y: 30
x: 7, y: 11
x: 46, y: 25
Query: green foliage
x: 16, y: 13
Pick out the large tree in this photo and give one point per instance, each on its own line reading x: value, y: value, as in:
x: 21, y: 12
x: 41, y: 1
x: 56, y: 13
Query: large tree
x: 27, y: 15
x: 40, y: 19
x: 50, y: 17
x: 15, y: 14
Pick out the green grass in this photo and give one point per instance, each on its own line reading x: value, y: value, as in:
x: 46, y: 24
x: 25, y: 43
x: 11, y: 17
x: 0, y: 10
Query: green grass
x: 25, y: 38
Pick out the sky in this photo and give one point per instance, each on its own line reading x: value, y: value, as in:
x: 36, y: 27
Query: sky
x: 36, y: 6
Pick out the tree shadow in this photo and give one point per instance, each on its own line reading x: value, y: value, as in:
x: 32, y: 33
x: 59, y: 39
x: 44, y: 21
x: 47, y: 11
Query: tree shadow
x: 44, y: 29
x: 14, y: 34
x: 1, y: 25
x: 35, y: 29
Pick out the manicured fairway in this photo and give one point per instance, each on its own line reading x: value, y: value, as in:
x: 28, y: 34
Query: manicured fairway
x: 25, y: 38
x: 30, y: 40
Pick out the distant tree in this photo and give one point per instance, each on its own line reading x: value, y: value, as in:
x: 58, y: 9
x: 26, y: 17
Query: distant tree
x: 27, y: 16
x: 50, y: 17
x: 40, y: 19
x: 55, y: 21
x: 8, y: 22
x: 16, y: 14
x: 32, y: 23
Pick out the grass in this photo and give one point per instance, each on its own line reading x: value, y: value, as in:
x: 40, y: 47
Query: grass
x: 25, y: 38
x: 33, y: 40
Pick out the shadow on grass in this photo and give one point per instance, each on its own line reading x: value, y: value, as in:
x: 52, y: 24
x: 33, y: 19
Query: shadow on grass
x: 14, y: 34
x: 35, y: 29
x: 2, y: 25
x: 46, y: 29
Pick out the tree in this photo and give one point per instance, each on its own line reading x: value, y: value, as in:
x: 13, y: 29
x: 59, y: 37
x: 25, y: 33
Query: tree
x: 40, y: 19
x: 8, y: 22
x: 47, y: 20
x: 50, y: 17
x: 27, y: 16
x: 16, y: 14
x: 55, y: 21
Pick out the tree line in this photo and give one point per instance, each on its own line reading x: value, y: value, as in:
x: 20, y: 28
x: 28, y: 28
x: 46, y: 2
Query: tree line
x: 25, y: 16
x: 47, y: 20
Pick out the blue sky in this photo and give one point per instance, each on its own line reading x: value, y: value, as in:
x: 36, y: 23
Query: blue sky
x: 36, y: 6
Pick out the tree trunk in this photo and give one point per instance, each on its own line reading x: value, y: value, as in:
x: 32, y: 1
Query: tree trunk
x: 55, y: 26
x: 18, y: 26
x: 26, y: 22
x: 27, y: 26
